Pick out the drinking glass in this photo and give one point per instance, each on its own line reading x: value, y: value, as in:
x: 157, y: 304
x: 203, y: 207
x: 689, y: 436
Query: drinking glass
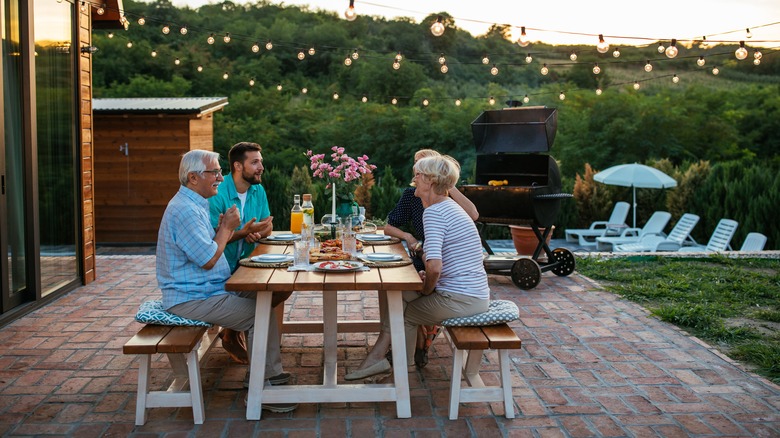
x: 301, y: 253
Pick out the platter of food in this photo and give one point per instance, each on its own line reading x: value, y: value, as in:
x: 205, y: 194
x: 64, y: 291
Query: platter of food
x: 338, y: 266
x: 336, y: 243
x: 327, y: 253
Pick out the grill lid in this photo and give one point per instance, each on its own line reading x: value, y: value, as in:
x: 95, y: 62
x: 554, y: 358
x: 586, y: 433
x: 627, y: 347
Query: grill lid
x: 530, y: 129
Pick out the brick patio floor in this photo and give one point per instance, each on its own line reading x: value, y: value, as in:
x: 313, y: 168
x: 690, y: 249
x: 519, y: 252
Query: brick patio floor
x: 591, y: 364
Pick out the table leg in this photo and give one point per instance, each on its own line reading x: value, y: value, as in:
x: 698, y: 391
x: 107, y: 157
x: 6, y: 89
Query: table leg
x: 259, y: 352
x: 397, y: 339
x: 330, y: 334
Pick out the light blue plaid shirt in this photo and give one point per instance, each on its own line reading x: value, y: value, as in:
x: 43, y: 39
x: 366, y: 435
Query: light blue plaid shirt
x: 184, y: 244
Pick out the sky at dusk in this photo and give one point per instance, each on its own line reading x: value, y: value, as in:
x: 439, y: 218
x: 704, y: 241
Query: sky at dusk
x: 559, y: 21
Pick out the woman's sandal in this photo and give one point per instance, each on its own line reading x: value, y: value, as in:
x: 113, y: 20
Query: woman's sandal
x: 421, y: 354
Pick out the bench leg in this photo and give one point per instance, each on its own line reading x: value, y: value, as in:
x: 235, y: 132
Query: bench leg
x: 473, y: 361
x: 196, y: 387
x: 457, y: 369
x: 506, y: 383
x: 143, y: 389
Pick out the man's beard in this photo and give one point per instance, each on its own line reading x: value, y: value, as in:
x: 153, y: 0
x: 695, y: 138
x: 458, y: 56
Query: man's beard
x: 252, y: 178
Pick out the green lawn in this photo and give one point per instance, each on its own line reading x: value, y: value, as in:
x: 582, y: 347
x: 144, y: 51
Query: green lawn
x: 733, y: 304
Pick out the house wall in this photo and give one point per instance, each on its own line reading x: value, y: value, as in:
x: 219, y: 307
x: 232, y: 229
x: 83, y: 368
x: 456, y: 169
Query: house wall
x: 87, y: 169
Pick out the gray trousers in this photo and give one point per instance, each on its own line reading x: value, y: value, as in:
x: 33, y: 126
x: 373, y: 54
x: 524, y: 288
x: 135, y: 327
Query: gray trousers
x: 237, y: 312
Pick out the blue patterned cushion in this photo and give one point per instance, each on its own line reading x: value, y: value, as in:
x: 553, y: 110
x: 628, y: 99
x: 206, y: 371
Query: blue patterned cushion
x: 499, y: 312
x: 152, y: 312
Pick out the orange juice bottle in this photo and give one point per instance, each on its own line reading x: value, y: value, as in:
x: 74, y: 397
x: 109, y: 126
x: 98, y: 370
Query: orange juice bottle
x: 296, y: 216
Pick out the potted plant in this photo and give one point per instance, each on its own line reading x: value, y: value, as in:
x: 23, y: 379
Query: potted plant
x: 525, y: 240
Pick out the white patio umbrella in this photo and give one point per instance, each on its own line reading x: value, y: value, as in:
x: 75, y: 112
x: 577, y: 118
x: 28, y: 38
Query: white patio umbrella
x: 635, y: 175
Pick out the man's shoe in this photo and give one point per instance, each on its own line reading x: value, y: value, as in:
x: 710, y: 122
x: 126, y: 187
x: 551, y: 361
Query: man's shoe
x: 279, y: 408
x: 380, y: 367
x: 280, y: 379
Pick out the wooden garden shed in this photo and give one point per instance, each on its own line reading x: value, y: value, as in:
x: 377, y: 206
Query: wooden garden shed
x: 138, y: 143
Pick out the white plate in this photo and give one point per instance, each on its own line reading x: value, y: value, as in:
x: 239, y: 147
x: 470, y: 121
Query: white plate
x: 382, y: 257
x: 338, y: 266
x: 371, y: 237
x: 284, y: 237
x: 272, y: 258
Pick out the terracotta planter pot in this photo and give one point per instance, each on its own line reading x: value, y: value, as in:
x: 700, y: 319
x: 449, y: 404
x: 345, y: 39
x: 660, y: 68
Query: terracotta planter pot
x: 525, y: 240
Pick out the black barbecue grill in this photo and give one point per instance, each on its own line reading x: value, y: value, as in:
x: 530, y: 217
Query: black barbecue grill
x: 517, y: 183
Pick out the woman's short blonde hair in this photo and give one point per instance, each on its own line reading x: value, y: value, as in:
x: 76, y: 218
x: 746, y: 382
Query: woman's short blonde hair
x: 423, y: 153
x: 442, y: 172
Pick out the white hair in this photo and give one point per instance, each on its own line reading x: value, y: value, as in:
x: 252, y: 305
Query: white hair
x: 195, y: 161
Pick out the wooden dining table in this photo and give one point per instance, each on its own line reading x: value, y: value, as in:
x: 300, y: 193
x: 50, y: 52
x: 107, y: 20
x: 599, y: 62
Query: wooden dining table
x: 266, y: 280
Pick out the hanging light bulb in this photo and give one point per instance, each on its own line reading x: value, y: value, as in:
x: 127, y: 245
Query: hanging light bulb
x: 703, y: 44
x: 598, y: 91
x: 494, y: 70
x: 675, y: 79
x: 252, y: 82
x: 335, y: 95
x: 648, y: 66
x: 661, y: 48
x: 528, y: 59
x: 573, y: 56
x: 741, y: 53
x: 312, y: 51
x: 129, y: 44
x: 715, y: 70
x: 226, y: 38
x: 444, y: 68
x: 102, y: 10
x: 166, y: 29
x: 278, y: 87
x: 757, y: 55
x: 210, y: 39
x: 562, y: 96
x: 458, y: 102
x: 700, y: 62
x: 596, y: 68
x: 396, y: 65
x: 269, y: 45
x: 544, y: 69
x: 183, y: 30
x: 350, y: 13
x: 492, y: 101
x: 485, y: 60
x: 602, y: 46
x: 425, y: 102
x: 347, y: 61
x: 756, y: 61
x: 304, y: 90
x: 526, y: 99
x: 399, y: 56
x: 200, y: 68
x: 301, y: 55
x: 636, y: 85
x: 616, y: 53
x: 364, y: 99
x: 255, y: 48
x: 110, y: 35
x: 437, y: 28
x: 442, y: 59
x: 748, y: 34
x: 83, y: 7
x: 672, y: 51
x: 225, y: 76
x: 355, y: 54
x: 394, y: 101
x: 141, y: 20
x: 154, y: 53
x: 523, y: 41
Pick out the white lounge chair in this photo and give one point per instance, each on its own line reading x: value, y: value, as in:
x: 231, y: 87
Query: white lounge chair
x: 753, y: 242
x: 720, y: 239
x: 677, y: 238
x: 614, y: 226
x: 654, y: 226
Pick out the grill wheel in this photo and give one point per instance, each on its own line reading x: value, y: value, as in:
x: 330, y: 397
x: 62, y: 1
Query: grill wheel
x: 564, y: 260
x: 526, y: 273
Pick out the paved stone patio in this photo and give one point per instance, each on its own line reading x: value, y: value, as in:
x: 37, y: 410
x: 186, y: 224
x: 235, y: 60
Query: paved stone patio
x: 592, y: 364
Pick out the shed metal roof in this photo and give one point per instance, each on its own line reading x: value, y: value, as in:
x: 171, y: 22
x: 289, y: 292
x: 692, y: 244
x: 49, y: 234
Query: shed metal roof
x: 159, y: 105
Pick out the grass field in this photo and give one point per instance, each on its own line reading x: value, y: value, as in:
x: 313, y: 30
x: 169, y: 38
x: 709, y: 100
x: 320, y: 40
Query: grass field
x: 733, y: 304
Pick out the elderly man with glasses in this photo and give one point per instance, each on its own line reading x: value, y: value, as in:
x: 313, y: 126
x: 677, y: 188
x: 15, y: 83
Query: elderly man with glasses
x: 191, y: 265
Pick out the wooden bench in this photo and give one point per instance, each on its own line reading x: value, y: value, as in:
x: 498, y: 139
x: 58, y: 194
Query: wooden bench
x: 186, y: 348
x: 467, y: 344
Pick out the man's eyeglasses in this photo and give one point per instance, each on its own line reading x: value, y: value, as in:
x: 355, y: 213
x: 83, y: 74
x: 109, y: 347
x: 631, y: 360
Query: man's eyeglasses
x: 215, y: 172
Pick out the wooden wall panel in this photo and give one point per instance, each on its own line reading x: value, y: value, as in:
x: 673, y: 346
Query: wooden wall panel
x: 86, y: 134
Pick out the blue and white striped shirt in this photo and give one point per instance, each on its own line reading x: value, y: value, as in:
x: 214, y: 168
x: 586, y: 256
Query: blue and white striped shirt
x: 184, y: 244
x: 452, y: 237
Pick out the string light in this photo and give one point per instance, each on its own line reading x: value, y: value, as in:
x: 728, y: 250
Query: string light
x: 757, y: 54
x: 110, y: 35
x: 129, y: 44
x: 544, y: 69
x: 304, y: 90
x: 141, y: 20
x: 616, y: 53
x: 636, y: 85
x: 523, y: 41
x: 166, y: 29
x: 741, y: 53
x: 183, y: 30
x: 210, y: 39
x: 176, y: 61
x: 491, y: 101
x: 83, y: 7
x: 348, y: 61
x: 748, y: 34
x: 269, y: 45
x: 756, y: 61
x: 437, y: 28
x: 355, y: 54
x: 442, y: 59
x: 715, y: 71
x: 526, y: 99
x: 485, y: 60
x: 252, y: 82
x: 399, y: 56
x: 444, y: 68
x: 458, y: 102
x: 494, y: 70
x: 154, y: 53
x: 350, y: 13
x: 648, y: 66
x: 102, y: 10
x: 528, y: 59
x: 700, y: 62
x: 255, y: 48
x: 200, y: 68
x: 335, y: 95
x: 225, y: 76
x: 573, y: 56
x: 703, y: 44
x: 394, y: 101
x: 301, y: 55
x: 675, y: 79
x: 598, y: 91
x: 278, y: 87
x: 661, y: 48
x: 425, y: 102
x: 396, y: 65
x: 562, y: 96
x: 226, y: 38
x: 602, y: 46
x: 312, y: 51
x: 596, y: 68
x: 364, y: 99
x: 672, y: 51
